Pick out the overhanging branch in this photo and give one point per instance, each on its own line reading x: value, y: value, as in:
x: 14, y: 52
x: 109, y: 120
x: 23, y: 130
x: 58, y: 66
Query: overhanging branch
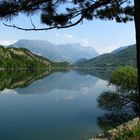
x: 42, y: 29
x: 82, y: 13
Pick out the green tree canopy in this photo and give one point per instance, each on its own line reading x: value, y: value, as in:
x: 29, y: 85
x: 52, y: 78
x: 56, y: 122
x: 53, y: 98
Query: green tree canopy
x: 120, y: 104
x: 125, y: 77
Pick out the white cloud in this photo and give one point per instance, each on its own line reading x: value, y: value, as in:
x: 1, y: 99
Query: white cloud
x: 68, y: 36
x: 84, y: 42
x: 7, y: 42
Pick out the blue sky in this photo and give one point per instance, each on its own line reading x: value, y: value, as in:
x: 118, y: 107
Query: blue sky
x: 104, y: 36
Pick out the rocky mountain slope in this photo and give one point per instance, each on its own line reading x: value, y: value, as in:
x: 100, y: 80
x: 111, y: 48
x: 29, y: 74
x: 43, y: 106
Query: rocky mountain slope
x: 57, y: 53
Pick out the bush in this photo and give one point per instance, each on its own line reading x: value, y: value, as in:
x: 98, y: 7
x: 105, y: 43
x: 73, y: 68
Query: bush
x: 125, y: 77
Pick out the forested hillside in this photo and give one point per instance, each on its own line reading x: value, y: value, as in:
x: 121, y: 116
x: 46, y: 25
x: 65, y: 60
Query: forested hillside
x: 127, y: 56
x: 21, y: 58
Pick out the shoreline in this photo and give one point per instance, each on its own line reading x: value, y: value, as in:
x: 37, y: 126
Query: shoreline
x: 111, y: 134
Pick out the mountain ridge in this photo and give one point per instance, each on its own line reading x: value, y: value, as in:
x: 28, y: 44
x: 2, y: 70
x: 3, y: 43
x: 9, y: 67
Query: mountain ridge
x: 70, y: 52
x: 126, y: 56
x: 122, y: 48
x: 21, y: 58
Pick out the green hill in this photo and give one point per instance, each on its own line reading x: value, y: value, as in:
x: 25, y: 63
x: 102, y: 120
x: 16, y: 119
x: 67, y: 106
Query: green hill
x: 21, y: 58
x: 126, y: 56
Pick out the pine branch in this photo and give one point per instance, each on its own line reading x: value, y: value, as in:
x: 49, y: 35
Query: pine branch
x: 42, y: 29
x: 84, y: 13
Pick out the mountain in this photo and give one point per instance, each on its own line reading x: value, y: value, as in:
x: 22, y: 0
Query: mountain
x: 82, y: 60
x: 58, y: 53
x: 125, y: 56
x: 121, y: 48
x: 21, y: 58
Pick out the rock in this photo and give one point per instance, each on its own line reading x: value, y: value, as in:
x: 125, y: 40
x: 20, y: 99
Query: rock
x: 111, y: 134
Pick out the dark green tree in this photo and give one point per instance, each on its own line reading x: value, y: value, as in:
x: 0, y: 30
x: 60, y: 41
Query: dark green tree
x: 125, y: 78
x: 73, y: 13
x: 121, y: 104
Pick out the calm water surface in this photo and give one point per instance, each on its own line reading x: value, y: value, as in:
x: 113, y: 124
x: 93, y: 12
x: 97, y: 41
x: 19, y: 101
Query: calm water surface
x: 60, y: 106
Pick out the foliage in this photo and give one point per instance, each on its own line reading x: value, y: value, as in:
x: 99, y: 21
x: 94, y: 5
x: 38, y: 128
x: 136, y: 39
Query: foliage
x: 124, y: 57
x: 125, y: 77
x: 73, y: 13
x: 61, y: 65
x: 122, y: 103
x: 119, y: 107
x: 129, y: 135
x: 21, y: 58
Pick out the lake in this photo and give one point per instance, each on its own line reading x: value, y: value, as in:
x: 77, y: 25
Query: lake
x: 50, y: 106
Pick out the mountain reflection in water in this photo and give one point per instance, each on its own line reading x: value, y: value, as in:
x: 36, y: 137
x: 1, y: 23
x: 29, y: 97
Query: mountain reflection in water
x: 67, y: 104
x: 54, y: 80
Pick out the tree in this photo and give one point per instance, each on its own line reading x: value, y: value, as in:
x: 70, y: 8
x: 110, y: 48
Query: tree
x: 125, y: 78
x: 73, y: 13
x: 120, y: 104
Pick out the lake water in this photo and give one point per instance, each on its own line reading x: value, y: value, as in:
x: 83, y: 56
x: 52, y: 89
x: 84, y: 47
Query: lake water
x: 55, y: 106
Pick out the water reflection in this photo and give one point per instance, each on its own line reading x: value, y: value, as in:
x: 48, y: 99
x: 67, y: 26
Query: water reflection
x: 102, y: 73
x: 61, y: 105
x: 22, y: 78
x: 32, y: 81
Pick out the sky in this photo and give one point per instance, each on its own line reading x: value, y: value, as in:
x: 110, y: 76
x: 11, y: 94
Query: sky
x: 104, y: 36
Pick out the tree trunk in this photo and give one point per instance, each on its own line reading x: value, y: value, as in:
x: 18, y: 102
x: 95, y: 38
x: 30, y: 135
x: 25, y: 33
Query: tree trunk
x: 137, y: 26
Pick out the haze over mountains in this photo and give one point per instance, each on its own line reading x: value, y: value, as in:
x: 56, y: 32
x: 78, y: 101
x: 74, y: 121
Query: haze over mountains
x: 79, y: 55
x: 64, y: 52
x: 22, y: 58
x: 120, y: 57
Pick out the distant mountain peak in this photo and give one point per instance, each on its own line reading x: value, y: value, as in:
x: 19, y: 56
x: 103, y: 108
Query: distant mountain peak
x: 70, y: 52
